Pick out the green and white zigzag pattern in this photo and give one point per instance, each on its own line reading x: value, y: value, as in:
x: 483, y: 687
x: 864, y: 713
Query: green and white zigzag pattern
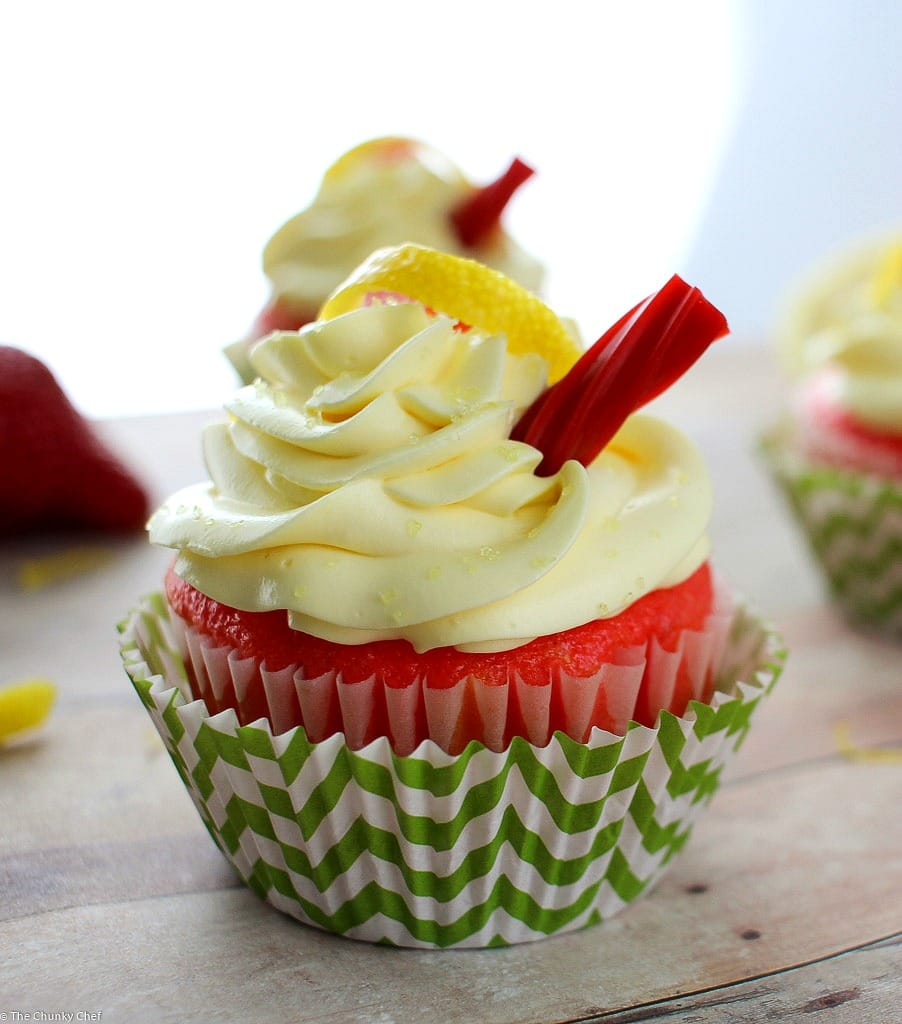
x: 433, y: 850
x: 853, y: 524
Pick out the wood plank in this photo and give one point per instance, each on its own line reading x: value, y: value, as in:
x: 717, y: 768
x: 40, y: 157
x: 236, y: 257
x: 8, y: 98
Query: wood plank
x: 56, y: 878
x: 854, y: 987
x: 116, y: 899
x: 744, y: 900
x: 837, y: 680
x: 98, y: 774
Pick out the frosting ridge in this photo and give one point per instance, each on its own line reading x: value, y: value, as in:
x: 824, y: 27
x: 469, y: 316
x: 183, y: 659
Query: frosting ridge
x: 383, y: 193
x: 367, y: 484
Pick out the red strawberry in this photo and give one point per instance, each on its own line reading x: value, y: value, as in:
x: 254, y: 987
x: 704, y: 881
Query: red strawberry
x: 55, y: 472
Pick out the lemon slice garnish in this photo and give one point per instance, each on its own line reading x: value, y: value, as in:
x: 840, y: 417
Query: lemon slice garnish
x: 888, y: 275
x: 466, y: 290
x: 24, y: 706
x: 388, y: 149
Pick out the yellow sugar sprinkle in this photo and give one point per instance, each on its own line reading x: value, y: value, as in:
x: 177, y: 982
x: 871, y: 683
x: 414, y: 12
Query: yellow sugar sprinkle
x: 37, y: 573
x: 842, y: 737
x: 433, y: 572
x: 413, y: 527
x: 888, y: 275
x: 387, y: 596
x: 153, y: 744
x: 466, y: 395
x: 489, y: 553
x: 24, y: 706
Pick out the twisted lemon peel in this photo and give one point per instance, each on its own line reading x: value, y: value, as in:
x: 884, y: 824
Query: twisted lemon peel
x: 465, y: 290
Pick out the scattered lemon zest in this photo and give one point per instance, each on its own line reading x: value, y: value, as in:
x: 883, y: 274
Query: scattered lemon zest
x: 842, y: 737
x: 24, y: 706
x: 466, y: 290
x: 38, y: 573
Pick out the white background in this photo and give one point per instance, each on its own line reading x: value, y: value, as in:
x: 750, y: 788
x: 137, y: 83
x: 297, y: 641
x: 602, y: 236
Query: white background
x: 149, y: 151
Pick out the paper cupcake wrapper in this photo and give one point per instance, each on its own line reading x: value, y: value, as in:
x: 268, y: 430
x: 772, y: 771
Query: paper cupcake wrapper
x: 432, y: 850
x: 638, y: 683
x: 853, y: 525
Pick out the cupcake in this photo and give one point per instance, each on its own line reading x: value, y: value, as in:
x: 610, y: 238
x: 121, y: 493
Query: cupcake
x: 381, y: 193
x: 837, y: 455
x: 441, y: 656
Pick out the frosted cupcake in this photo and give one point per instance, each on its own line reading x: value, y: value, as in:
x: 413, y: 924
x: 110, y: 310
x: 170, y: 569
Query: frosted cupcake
x: 441, y: 657
x: 838, y: 454
x: 383, y: 192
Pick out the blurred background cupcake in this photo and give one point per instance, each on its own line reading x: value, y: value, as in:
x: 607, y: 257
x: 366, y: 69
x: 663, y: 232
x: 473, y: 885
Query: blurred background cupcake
x: 837, y: 455
x: 383, y: 192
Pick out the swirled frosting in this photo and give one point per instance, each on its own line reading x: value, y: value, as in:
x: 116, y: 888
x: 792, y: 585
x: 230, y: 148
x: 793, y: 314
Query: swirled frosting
x: 845, y: 328
x: 366, y: 483
x: 385, y: 193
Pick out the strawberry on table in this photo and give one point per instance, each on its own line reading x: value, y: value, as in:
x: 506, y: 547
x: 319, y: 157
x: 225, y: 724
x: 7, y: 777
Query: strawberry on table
x: 55, y: 471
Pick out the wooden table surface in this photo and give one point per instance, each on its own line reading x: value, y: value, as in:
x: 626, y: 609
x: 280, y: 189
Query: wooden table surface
x: 784, y: 906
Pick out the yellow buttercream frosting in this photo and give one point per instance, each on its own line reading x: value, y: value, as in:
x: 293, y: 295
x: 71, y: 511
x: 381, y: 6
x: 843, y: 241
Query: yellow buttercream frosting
x: 845, y: 325
x: 382, y: 193
x: 367, y: 484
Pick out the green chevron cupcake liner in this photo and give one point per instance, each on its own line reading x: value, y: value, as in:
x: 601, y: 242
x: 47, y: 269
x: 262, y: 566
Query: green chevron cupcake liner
x: 434, y: 850
x: 853, y: 525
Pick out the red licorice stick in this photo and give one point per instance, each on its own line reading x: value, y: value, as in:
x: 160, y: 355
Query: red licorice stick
x: 631, y: 363
x: 478, y: 215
